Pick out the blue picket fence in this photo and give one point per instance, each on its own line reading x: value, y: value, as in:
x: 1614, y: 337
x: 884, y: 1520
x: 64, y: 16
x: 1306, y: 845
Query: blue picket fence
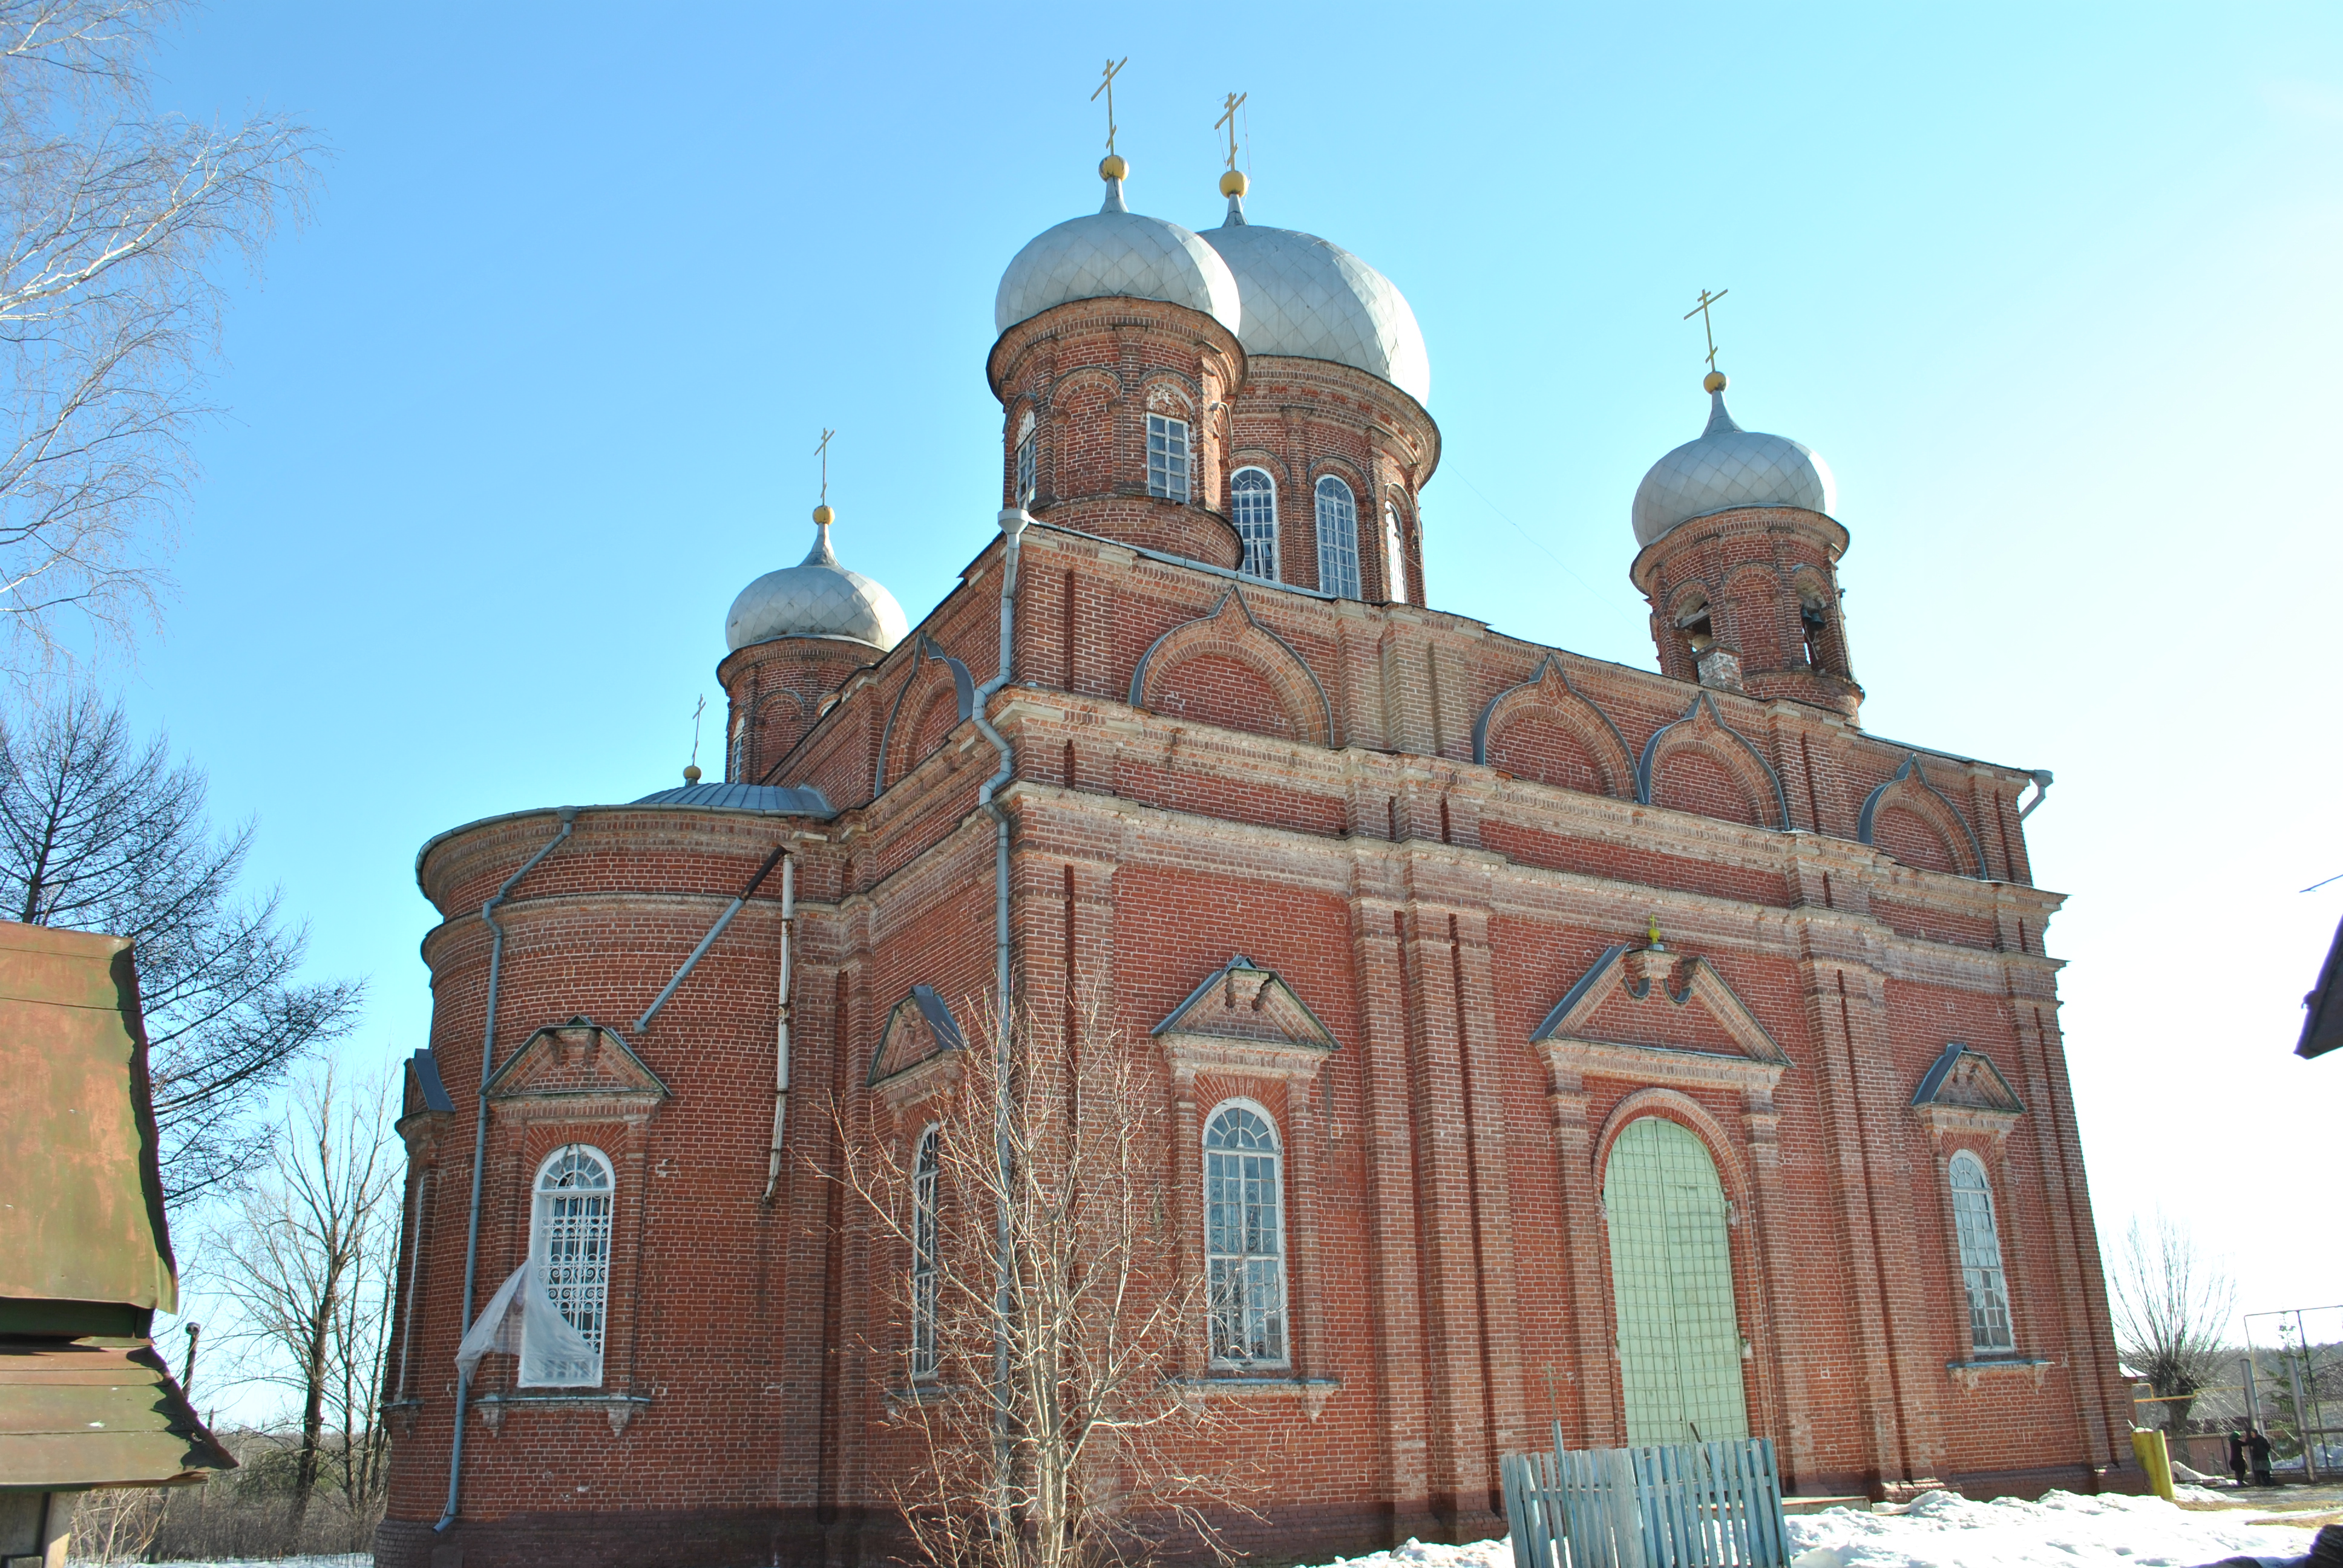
x: 1668, y: 1505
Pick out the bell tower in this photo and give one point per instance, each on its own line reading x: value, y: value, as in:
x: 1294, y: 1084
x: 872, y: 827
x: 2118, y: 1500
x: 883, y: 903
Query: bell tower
x: 1739, y: 562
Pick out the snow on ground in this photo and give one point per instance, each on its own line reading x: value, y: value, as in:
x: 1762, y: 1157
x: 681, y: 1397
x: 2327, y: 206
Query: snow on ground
x: 1941, y: 1530
x: 346, y: 1560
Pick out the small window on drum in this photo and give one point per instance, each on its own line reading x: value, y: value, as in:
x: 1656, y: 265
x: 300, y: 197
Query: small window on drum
x: 1694, y: 624
x: 1395, y: 557
x: 1252, y: 505
x: 1167, y: 458
x: 1338, y: 539
x: 1813, y: 623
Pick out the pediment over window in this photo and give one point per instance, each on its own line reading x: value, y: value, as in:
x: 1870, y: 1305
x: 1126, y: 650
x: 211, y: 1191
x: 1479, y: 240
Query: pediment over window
x: 580, y: 1065
x: 1963, y: 1091
x: 1655, y: 1016
x: 920, y: 1031
x: 1245, y: 1019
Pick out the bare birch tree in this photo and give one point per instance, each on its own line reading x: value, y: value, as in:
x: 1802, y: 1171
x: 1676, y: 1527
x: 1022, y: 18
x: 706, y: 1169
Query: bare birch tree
x: 2172, y: 1310
x: 99, y: 833
x: 306, y: 1258
x: 117, y: 226
x: 1039, y: 1309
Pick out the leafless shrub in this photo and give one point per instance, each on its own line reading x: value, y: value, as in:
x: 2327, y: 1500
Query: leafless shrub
x: 1045, y: 1426
x: 2172, y: 1310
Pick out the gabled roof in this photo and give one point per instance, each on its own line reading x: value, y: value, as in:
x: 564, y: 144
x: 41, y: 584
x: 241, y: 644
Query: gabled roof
x: 1244, y: 1002
x: 1966, y: 1077
x: 1626, y: 999
x: 580, y: 1058
x: 2322, y: 1025
x: 919, y: 1028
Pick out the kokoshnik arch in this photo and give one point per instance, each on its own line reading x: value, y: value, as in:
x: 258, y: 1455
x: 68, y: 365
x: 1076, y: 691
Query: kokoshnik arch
x: 1486, y: 1152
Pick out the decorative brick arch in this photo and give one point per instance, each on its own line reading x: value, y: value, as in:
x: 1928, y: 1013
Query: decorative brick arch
x: 1694, y: 1118
x: 1908, y: 789
x: 1549, y: 694
x: 933, y: 673
x: 1703, y: 727
x: 1230, y: 632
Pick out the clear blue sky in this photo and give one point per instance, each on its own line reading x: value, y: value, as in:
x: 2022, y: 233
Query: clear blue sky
x: 2053, y: 289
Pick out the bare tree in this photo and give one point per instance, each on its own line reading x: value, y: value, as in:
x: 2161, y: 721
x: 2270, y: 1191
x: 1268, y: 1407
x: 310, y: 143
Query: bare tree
x: 2172, y: 1310
x: 100, y: 834
x: 115, y: 222
x: 1040, y: 1308
x: 306, y: 1258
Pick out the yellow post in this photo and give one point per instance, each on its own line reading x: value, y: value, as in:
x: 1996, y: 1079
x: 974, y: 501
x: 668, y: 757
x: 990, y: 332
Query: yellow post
x: 2147, y: 1444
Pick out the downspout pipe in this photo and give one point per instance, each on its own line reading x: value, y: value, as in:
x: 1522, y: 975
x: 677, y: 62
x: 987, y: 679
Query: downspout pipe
x: 781, y: 1029
x: 480, y: 1141
x: 2041, y: 787
x: 1015, y: 520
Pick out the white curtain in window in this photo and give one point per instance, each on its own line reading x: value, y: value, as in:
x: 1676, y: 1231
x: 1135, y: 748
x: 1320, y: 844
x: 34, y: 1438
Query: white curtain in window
x: 1338, y: 539
x: 1244, y: 1238
x: 1395, y: 557
x: 1980, y: 1245
x: 1252, y: 498
x: 570, y: 1249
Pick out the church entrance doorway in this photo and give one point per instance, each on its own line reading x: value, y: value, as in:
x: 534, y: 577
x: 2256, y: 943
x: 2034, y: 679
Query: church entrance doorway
x: 1672, y: 1286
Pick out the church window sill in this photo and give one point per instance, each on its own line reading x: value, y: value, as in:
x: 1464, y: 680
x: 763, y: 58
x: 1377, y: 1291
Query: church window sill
x: 620, y: 1408
x: 1968, y: 1373
x: 1312, y: 1391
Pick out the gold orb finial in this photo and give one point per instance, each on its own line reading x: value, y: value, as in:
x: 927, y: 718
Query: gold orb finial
x: 1234, y: 183
x: 691, y: 773
x: 1713, y: 382
x: 822, y: 514
x: 1115, y: 167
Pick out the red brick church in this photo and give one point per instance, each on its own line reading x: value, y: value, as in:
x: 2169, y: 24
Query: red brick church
x: 1640, y: 1049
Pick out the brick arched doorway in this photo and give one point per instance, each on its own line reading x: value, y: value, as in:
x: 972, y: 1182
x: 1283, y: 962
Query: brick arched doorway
x: 1672, y: 1286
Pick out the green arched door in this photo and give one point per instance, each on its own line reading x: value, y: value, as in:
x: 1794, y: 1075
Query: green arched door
x: 1672, y: 1286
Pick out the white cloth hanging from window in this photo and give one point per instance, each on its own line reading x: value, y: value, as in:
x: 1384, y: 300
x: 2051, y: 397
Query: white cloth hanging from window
x: 520, y: 1320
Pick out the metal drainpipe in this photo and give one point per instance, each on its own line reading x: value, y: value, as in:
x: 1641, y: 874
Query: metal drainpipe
x: 781, y: 1030
x: 480, y: 1144
x: 1015, y: 520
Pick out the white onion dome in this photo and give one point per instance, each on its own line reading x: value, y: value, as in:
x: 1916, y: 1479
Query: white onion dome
x: 1729, y: 467
x: 1115, y: 253
x: 816, y: 598
x: 1311, y: 299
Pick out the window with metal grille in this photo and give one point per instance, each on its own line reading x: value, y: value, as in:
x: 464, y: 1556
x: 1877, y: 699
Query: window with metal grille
x: 1980, y: 1242
x: 1244, y: 1237
x: 1338, y: 539
x: 1167, y: 458
x: 571, y: 1239
x: 925, y: 1241
x: 1395, y: 557
x: 1253, y: 499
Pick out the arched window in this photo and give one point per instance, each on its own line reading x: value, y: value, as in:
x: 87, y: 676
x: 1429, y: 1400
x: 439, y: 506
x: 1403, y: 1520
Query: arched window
x: 1693, y: 620
x: 925, y: 1242
x: 570, y: 1241
x: 1025, y: 465
x: 1395, y: 557
x: 1167, y: 458
x: 1814, y: 621
x: 1338, y: 539
x: 1252, y: 500
x: 1980, y: 1244
x: 1244, y: 1237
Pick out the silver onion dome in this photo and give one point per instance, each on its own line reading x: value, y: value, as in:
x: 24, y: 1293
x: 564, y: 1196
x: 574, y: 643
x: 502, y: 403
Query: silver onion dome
x: 1311, y: 299
x: 1729, y: 467
x: 816, y: 598
x: 1115, y: 252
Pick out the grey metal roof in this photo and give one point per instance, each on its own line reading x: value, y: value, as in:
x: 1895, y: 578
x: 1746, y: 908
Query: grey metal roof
x: 1311, y: 299
x: 1112, y: 253
x: 793, y: 802
x: 816, y: 598
x: 1729, y: 466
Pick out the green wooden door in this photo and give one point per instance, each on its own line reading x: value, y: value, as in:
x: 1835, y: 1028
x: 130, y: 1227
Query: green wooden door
x: 1672, y: 1286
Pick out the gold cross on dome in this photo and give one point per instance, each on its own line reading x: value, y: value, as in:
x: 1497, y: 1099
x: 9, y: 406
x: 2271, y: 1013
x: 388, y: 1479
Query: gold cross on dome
x: 1106, y: 85
x: 1229, y: 118
x: 1700, y: 310
x: 822, y: 451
